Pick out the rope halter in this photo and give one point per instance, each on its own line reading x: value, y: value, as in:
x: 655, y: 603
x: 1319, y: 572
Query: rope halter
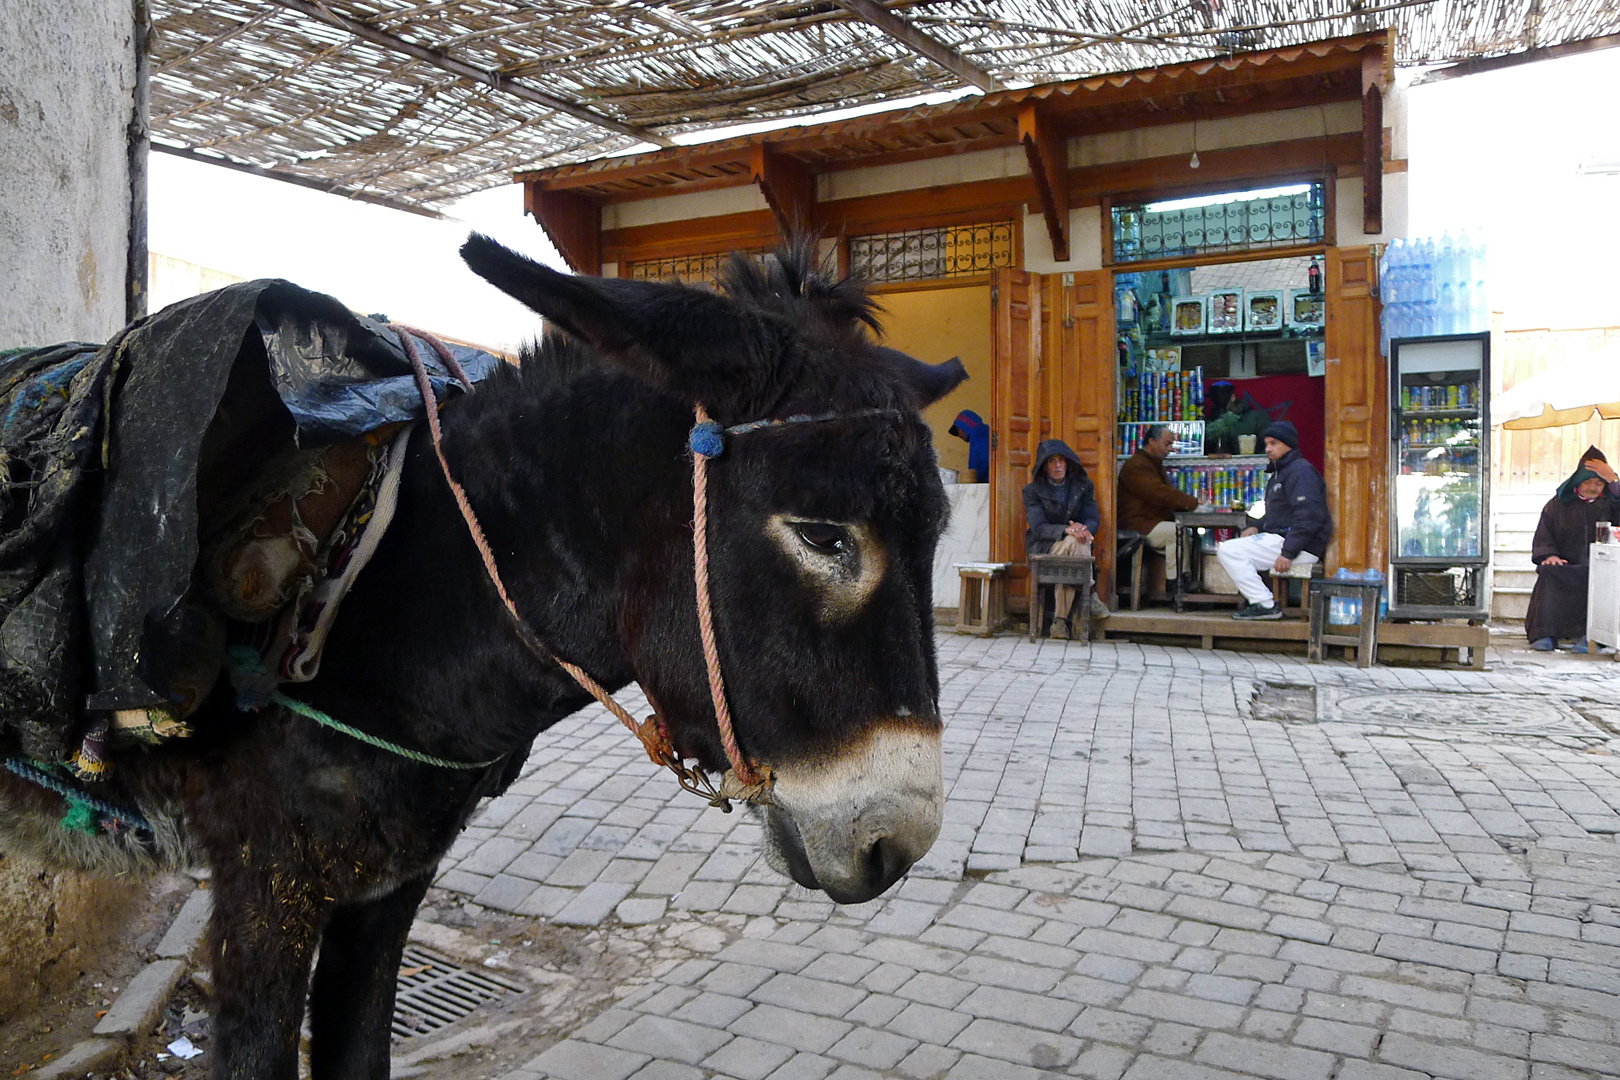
x: 743, y: 780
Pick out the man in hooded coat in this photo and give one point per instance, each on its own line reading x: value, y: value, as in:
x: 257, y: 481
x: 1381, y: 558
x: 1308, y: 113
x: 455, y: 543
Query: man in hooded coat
x: 1558, y: 602
x: 1060, y: 503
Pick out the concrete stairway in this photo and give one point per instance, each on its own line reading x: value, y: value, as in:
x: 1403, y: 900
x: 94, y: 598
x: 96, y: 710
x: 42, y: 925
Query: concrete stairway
x: 1513, y: 524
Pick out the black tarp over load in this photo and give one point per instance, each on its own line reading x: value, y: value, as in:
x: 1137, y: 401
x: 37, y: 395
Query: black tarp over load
x: 114, y: 459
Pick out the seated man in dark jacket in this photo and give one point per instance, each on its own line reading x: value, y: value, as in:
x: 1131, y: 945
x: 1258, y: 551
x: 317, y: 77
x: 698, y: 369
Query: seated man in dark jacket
x: 1294, y: 532
x: 1060, y: 503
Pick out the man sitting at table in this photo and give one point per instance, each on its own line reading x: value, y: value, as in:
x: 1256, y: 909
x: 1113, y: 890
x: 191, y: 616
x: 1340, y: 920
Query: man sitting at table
x: 1060, y: 504
x: 1147, y: 500
x: 1294, y: 532
x: 1559, y: 550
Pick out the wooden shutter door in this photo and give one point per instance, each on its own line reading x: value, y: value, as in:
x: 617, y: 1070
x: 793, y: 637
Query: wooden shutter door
x: 1089, y: 413
x: 1356, y: 412
x: 1014, y: 356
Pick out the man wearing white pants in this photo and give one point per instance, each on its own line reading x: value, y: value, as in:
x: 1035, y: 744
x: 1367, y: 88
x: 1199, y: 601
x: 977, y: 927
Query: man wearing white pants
x: 1294, y: 533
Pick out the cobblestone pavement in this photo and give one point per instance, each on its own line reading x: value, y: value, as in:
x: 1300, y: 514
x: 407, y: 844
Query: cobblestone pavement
x: 1144, y: 872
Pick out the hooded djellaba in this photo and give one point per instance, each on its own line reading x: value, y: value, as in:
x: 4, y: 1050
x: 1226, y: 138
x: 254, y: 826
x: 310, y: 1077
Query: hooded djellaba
x: 1558, y: 602
x: 1049, y: 507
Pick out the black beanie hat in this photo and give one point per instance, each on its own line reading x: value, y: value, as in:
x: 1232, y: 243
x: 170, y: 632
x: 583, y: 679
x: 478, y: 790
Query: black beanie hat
x: 1283, y: 432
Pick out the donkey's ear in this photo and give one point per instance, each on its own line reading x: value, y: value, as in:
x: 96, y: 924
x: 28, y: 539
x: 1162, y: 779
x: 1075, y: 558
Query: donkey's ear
x: 578, y: 306
x: 927, y: 383
x: 691, y: 342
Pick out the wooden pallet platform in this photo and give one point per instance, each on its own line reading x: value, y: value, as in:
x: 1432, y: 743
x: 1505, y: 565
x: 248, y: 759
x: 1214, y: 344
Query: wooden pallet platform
x: 1396, y: 641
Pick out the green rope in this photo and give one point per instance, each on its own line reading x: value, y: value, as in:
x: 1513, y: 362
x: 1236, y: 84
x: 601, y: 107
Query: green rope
x: 371, y: 740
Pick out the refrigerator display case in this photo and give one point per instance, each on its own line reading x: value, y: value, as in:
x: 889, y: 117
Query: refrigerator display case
x: 1440, y: 487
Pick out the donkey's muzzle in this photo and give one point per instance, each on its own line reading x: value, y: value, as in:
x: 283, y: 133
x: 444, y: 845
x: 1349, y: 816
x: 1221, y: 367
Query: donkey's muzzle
x: 851, y: 824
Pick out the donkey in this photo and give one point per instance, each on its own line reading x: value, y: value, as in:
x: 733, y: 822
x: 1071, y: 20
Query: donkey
x: 822, y: 524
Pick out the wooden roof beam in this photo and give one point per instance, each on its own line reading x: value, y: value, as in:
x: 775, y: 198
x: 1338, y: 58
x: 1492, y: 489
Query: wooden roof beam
x: 492, y: 79
x: 922, y: 43
x: 788, y: 186
x: 572, y: 221
x: 1048, y: 155
x: 1374, y: 75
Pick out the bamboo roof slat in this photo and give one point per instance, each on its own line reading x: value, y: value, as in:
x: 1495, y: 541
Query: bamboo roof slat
x: 275, y: 85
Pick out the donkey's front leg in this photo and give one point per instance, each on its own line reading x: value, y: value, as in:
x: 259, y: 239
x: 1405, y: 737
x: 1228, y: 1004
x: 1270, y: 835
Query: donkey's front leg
x: 261, y: 939
x: 352, y: 1002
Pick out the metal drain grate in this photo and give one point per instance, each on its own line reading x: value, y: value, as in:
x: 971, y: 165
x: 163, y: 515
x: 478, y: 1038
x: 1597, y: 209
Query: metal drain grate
x: 431, y: 992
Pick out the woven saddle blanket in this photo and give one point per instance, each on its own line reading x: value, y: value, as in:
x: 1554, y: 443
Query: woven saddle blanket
x: 215, y: 466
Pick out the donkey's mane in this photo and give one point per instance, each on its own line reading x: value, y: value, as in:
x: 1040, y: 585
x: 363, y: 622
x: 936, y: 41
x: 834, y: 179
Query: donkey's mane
x: 790, y: 283
x: 837, y: 318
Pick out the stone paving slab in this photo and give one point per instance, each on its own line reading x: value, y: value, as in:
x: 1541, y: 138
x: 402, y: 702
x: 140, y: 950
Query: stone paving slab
x: 1136, y: 878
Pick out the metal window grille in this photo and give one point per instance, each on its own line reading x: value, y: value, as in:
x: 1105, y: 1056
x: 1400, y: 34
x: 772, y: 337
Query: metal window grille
x: 931, y: 254
x: 1276, y: 221
x: 698, y: 269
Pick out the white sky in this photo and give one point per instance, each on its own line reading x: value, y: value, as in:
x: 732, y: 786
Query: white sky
x: 1499, y: 153
x: 371, y: 258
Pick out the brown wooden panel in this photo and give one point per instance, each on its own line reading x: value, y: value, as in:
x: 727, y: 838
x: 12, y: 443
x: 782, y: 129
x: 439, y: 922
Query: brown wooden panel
x: 572, y: 222
x: 1047, y: 154
x: 1356, y: 411
x: 1015, y: 343
x: 1086, y: 358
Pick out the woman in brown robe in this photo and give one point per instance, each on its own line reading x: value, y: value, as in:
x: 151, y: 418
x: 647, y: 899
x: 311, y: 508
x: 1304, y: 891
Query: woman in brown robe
x: 1558, y: 602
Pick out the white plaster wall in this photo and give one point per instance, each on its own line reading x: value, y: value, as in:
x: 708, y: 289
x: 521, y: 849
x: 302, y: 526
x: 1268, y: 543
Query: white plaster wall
x: 918, y: 175
x: 966, y: 539
x: 698, y: 204
x: 67, y: 78
x: 1164, y: 140
x: 1085, y: 241
x: 1347, y: 216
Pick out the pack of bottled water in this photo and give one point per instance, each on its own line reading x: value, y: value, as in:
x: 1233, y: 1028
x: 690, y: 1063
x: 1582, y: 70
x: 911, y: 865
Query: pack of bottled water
x: 1433, y: 285
x: 1345, y: 610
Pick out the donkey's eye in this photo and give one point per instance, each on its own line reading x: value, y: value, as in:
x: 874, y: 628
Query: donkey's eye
x: 828, y: 539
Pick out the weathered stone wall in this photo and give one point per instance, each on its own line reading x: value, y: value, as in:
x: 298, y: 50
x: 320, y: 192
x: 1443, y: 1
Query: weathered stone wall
x: 67, y: 79
x: 67, y: 76
x: 52, y: 926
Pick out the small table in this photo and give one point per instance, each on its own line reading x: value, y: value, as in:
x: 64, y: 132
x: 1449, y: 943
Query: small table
x: 1366, y: 640
x: 983, y: 607
x: 1190, y: 553
x: 1076, y: 570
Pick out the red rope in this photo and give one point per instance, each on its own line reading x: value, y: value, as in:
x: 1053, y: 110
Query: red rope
x: 711, y: 652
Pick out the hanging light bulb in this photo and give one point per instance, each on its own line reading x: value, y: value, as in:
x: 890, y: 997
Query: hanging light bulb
x: 1193, y: 164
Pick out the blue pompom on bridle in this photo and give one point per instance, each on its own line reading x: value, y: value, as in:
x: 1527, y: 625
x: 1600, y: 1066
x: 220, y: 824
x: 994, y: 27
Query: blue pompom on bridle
x: 707, y: 439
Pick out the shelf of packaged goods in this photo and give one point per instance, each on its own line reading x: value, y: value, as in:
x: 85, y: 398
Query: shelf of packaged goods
x: 1449, y: 414
x: 1448, y: 474
x: 1207, y: 459
x: 1407, y: 447
x: 1164, y: 341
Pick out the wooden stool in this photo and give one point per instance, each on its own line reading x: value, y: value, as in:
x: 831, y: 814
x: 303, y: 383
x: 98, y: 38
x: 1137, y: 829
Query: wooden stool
x: 1365, y: 642
x: 1076, y: 570
x: 1305, y: 575
x: 983, y: 607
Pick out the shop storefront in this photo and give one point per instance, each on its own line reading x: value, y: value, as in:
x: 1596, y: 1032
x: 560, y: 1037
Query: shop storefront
x: 1154, y: 245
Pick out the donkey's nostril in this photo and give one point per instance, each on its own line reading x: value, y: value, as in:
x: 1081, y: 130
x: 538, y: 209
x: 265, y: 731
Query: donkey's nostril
x: 886, y: 860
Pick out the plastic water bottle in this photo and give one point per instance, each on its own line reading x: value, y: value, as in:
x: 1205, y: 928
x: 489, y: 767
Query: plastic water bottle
x: 1480, y: 315
x: 1445, y: 260
x: 1447, y: 308
x: 1465, y: 309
